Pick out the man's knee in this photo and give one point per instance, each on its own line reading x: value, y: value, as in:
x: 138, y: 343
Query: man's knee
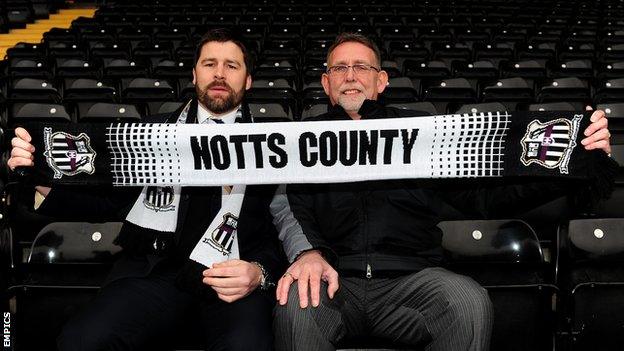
x: 325, y: 317
x: 292, y: 309
x: 470, y: 303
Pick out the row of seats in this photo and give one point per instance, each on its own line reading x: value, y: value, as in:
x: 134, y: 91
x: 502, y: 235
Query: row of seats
x: 506, y: 9
x: 284, y: 58
x: 108, y: 110
x: 446, y: 94
x: 536, y: 299
x: 16, y: 14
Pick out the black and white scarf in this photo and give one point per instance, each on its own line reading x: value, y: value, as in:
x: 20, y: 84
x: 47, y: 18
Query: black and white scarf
x: 450, y: 146
x: 157, y: 208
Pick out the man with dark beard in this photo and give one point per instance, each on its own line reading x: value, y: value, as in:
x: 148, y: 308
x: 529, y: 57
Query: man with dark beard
x: 145, y: 296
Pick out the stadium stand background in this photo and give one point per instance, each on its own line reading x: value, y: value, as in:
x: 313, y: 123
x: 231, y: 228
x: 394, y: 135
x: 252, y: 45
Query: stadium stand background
x: 554, y: 273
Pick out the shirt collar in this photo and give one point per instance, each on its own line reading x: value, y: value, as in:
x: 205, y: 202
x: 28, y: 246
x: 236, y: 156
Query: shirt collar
x: 203, y: 114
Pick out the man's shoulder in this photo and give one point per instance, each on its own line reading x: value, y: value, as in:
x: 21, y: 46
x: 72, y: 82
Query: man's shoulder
x: 321, y: 117
x: 400, y: 112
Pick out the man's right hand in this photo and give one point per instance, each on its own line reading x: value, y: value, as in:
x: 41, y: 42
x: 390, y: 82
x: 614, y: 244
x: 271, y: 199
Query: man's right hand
x: 308, y: 270
x: 22, y: 155
x: 22, y: 151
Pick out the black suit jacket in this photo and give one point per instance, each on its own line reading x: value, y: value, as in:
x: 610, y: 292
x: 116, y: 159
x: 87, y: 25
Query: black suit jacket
x: 257, y: 237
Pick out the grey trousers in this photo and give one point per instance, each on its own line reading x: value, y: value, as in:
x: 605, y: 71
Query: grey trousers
x: 434, y: 308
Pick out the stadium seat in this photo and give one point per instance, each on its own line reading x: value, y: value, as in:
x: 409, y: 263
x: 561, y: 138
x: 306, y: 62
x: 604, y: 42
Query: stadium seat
x: 149, y: 54
x: 576, y: 68
x: 615, y: 113
x: 506, y: 258
x: 556, y: 106
x: 21, y: 49
x: 495, y: 53
x: 564, y: 89
x: 83, y: 93
x: 68, y: 262
x: 592, y: 279
x: 169, y: 107
x: 400, y: 89
x: 269, y: 113
x: 107, y: 113
x: 530, y: 69
x: 509, y: 91
x: 41, y: 112
x: 481, y: 108
x: 314, y: 110
x: 147, y: 92
x: 450, y: 93
x: 75, y: 68
x: 278, y: 91
x: 610, y: 70
x: 611, y: 90
x: 28, y: 68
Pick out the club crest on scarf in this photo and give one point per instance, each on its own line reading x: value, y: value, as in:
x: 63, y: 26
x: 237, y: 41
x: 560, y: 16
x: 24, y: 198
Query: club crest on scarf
x: 223, y: 236
x: 159, y: 199
x: 67, y: 154
x: 550, y: 144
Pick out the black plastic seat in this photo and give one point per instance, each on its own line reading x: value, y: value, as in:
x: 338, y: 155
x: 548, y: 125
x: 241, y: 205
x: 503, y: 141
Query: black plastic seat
x: 448, y: 94
x: 608, y: 91
x: 41, y: 113
x: 564, y: 89
x: 149, y: 54
x: 575, y: 68
x: 84, y: 93
x: 509, y: 91
x: 506, y: 258
x: 28, y: 68
x: 482, y: 108
x: 67, y: 264
x: 531, y: 69
x: 557, y: 106
x: 278, y: 91
x: 314, y: 110
x: 148, y: 92
x: 269, y: 113
x: 400, y: 89
x: 615, y: 113
x: 110, y: 112
x: 75, y: 68
x: 591, y: 275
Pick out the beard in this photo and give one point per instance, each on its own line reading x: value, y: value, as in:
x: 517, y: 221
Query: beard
x: 219, y: 105
x: 352, y: 102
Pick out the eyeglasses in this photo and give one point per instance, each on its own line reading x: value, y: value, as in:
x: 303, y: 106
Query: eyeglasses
x: 359, y: 69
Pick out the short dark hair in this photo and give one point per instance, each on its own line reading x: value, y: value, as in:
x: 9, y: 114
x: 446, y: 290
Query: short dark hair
x: 223, y: 35
x: 356, y: 38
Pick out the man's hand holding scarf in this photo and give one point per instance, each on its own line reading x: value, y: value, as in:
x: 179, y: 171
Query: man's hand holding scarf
x: 233, y: 279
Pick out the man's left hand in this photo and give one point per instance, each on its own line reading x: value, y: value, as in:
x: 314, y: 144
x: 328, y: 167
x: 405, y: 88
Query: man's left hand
x: 597, y: 134
x: 233, y: 279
